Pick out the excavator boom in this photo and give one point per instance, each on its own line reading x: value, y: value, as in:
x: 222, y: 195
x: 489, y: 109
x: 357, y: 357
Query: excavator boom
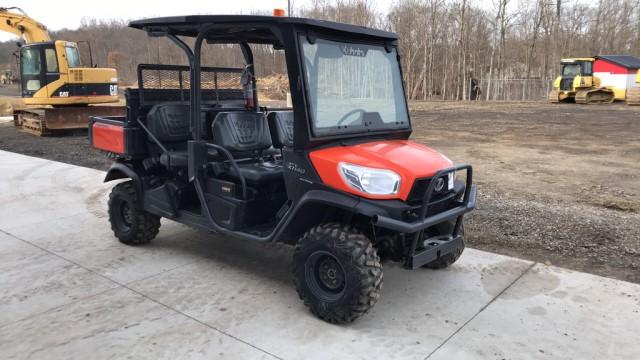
x: 20, y: 24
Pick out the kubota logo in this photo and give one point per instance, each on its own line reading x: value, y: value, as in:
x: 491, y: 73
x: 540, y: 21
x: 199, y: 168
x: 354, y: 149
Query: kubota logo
x: 351, y: 50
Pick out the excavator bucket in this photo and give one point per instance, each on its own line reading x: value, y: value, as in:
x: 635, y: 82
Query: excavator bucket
x: 50, y: 120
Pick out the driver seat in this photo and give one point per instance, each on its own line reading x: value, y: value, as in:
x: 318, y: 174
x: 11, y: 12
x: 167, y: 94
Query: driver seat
x: 245, y: 134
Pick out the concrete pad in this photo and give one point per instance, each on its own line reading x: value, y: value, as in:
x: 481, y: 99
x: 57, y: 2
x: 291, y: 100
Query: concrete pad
x: 246, y: 291
x: 53, y: 190
x: 87, y: 240
x: 554, y: 313
x: 33, y: 280
x: 193, y: 294
x: 118, y: 324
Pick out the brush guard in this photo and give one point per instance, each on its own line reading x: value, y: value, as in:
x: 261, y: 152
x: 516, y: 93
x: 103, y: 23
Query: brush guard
x: 423, y: 251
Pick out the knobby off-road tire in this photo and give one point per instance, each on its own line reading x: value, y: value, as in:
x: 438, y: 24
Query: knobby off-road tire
x: 447, y: 260
x: 337, y: 272
x: 130, y: 224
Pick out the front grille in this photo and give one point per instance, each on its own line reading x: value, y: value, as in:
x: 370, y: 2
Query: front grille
x: 420, y: 188
x: 77, y: 75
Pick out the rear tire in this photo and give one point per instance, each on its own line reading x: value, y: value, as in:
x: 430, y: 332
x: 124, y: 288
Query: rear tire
x: 337, y: 272
x: 130, y: 224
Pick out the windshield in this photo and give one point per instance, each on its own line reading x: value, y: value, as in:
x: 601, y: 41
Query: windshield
x: 353, y: 88
x: 73, y: 57
x: 571, y: 70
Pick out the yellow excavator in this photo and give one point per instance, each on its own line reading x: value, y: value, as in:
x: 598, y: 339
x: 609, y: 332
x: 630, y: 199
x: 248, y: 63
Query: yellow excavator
x: 578, y: 83
x: 633, y: 94
x: 58, y: 91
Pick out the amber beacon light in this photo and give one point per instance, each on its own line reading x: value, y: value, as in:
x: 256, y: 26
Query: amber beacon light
x: 278, y: 12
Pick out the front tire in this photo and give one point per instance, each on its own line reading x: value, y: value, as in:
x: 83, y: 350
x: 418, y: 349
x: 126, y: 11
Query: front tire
x: 337, y: 272
x: 129, y: 222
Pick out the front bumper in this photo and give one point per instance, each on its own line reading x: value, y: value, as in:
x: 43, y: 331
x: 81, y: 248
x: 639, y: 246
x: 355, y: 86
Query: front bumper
x: 424, y: 251
x: 412, y: 227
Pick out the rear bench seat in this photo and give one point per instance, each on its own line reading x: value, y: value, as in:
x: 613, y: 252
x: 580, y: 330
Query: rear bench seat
x: 169, y: 123
x: 244, y: 134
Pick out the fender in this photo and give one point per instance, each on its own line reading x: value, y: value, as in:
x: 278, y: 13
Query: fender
x: 327, y: 198
x: 123, y: 171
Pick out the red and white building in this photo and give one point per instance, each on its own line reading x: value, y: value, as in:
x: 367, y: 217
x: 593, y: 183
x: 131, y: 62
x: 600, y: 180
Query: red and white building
x: 617, y: 72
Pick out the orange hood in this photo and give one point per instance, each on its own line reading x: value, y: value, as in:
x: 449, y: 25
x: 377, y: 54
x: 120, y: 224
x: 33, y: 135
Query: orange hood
x: 410, y: 160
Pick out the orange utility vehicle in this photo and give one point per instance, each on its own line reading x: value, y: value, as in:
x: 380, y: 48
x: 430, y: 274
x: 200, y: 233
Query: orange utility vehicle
x: 335, y: 175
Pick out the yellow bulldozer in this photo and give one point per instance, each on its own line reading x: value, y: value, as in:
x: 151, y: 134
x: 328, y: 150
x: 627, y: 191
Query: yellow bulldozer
x: 600, y: 79
x: 577, y: 83
x: 58, y: 91
x: 633, y: 94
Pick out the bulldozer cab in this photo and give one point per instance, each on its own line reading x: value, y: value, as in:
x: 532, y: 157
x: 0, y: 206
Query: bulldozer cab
x: 572, y: 68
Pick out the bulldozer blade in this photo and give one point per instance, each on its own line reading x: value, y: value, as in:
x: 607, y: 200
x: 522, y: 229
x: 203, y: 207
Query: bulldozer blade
x: 46, y: 121
x: 557, y: 96
x: 633, y: 96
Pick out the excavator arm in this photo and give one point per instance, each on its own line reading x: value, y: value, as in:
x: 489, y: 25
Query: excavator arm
x: 20, y: 24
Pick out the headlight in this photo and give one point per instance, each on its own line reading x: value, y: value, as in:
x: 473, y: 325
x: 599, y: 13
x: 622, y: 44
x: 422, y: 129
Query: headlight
x: 370, y: 180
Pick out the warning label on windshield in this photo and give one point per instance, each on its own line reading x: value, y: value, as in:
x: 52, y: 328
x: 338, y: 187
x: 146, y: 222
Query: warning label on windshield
x: 353, y: 50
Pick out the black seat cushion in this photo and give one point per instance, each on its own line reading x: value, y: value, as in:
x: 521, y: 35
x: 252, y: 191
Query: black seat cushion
x: 258, y: 173
x: 241, y: 131
x: 281, y: 128
x: 169, y: 122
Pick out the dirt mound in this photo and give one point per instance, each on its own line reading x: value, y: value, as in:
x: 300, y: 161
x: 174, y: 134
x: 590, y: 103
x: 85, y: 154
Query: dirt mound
x: 273, y: 87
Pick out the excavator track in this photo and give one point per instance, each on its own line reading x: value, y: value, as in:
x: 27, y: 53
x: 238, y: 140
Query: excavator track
x: 633, y: 96
x: 47, y: 121
x: 594, y: 96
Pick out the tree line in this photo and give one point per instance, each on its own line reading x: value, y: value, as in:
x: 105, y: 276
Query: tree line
x: 449, y: 48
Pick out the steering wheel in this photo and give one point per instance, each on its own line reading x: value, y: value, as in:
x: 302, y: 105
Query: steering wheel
x: 347, y: 115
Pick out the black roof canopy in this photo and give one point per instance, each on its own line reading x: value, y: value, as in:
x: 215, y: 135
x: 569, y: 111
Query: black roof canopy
x: 252, y: 28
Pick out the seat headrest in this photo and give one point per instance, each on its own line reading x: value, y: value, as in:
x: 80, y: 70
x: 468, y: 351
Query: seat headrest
x: 169, y: 122
x: 281, y: 128
x: 241, y: 131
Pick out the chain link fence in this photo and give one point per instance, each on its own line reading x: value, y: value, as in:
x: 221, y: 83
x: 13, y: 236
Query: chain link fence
x: 512, y: 89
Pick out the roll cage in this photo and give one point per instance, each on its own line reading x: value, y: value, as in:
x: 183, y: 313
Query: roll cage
x: 280, y: 32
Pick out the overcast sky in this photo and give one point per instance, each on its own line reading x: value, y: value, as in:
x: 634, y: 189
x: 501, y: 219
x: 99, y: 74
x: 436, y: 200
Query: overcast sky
x: 69, y: 13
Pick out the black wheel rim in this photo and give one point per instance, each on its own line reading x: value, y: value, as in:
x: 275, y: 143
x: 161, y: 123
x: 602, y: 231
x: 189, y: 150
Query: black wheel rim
x: 123, y: 215
x: 325, y: 276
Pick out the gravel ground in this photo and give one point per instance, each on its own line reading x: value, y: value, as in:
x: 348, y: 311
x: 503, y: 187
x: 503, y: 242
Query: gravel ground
x: 557, y: 184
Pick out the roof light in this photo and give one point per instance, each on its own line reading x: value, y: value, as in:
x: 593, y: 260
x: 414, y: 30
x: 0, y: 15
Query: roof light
x: 278, y: 12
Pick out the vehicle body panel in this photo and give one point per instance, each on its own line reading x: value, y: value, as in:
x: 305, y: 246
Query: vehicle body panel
x: 408, y: 159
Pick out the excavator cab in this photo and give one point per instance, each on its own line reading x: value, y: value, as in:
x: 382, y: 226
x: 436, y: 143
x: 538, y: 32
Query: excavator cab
x: 52, y: 74
x: 38, y: 67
